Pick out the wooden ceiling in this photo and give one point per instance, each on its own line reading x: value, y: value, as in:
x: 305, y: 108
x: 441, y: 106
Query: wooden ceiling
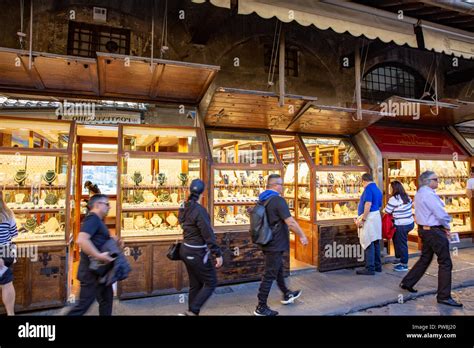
x: 447, y: 112
x: 107, y: 77
x: 231, y: 108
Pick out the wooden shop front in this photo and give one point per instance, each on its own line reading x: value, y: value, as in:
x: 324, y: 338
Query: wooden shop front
x: 321, y: 167
x: 409, y: 151
x: 37, y: 164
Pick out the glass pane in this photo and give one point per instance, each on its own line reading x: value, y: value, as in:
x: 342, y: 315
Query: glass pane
x: 332, y: 151
x: 31, y: 185
x: 338, y: 185
x: 150, y: 224
x: 452, y: 175
x: 152, y: 192
x: 240, y: 148
x: 160, y: 139
x: 40, y: 226
x: 336, y: 210
x: 28, y: 134
x: 405, y: 172
x: 286, y: 150
x: 234, y: 192
x: 105, y: 177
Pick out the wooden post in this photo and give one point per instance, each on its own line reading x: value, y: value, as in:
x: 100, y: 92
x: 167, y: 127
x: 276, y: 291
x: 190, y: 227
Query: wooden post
x: 183, y: 147
x: 357, y: 82
x: 236, y: 152
x: 336, y: 156
x: 264, y: 153
x: 281, y: 67
x: 316, y: 156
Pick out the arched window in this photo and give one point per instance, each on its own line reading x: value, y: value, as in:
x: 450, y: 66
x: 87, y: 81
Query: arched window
x: 384, y: 81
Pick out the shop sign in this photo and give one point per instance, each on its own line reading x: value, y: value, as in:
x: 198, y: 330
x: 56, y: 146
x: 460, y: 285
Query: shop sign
x: 86, y: 113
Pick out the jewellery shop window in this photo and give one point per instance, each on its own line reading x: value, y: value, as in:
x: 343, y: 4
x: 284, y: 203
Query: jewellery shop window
x: 156, y: 168
x: 160, y: 140
x: 339, y: 170
x: 235, y: 191
x: 241, y: 165
x: 15, y: 133
x: 403, y: 171
x: 35, y: 188
x: 229, y: 147
x: 452, y: 178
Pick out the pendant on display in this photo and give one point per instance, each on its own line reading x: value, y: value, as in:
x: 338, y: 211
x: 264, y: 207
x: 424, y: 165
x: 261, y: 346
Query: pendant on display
x: 20, y: 177
x: 161, y: 179
x: 49, y: 177
x: 183, y: 177
x: 137, y: 178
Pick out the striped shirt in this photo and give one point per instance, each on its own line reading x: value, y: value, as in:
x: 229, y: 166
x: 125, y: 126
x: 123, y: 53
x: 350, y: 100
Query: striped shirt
x: 8, y: 231
x: 402, y: 213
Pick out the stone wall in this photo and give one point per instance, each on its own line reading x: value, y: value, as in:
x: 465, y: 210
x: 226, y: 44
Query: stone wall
x: 212, y: 35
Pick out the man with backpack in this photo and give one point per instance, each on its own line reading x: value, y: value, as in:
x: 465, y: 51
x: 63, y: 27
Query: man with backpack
x: 280, y: 222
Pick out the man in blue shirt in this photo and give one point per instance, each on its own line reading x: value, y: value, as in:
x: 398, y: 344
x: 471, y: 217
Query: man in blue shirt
x: 434, y: 230
x: 369, y: 223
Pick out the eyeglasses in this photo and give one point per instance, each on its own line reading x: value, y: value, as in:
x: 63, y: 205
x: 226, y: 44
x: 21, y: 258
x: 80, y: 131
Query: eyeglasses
x: 434, y: 179
x: 106, y: 203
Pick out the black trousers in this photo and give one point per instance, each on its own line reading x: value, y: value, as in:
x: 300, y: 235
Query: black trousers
x: 274, y: 268
x: 436, y: 242
x: 202, y: 276
x: 90, y: 291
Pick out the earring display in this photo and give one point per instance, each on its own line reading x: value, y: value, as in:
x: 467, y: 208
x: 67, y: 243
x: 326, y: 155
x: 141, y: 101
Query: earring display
x: 235, y: 191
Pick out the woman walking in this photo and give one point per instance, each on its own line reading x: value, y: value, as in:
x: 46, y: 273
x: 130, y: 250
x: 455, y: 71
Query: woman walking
x: 199, y: 242
x: 8, y: 230
x: 400, y: 206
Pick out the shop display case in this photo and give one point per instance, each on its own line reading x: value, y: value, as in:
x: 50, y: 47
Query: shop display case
x: 37, y: 162
x: 156, y: 165
x: 241, y: 165
x: 156, y: 168
x: 338, y: 173
x: 452, y: 179
x: 452, y: 176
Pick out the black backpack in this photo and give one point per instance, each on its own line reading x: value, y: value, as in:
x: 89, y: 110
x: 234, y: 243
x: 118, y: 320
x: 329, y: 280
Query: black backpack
x: 260, y: 230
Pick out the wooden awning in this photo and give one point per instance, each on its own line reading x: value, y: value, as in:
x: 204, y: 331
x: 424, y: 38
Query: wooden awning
x: 234, y: 108
x: 110, y: 76
x: 445, y: 112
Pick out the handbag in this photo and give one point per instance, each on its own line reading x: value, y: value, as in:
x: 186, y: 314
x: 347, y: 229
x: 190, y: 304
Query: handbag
x: 173, y: 252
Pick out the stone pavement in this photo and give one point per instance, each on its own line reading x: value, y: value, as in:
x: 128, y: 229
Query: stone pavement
x: 338, y: 292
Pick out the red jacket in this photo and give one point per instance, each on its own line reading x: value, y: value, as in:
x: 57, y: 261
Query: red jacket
x: 388, y: 228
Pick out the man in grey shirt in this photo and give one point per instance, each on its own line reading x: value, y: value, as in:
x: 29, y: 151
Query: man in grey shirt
x: 434, y: 230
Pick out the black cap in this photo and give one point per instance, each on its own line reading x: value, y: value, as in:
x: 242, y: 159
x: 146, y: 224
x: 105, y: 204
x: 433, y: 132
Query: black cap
x: 197, y: 186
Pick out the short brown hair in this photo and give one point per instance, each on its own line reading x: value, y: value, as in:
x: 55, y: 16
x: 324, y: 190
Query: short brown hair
x: 367, y: 177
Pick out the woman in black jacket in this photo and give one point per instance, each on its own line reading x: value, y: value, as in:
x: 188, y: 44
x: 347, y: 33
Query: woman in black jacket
x: 199, y: 242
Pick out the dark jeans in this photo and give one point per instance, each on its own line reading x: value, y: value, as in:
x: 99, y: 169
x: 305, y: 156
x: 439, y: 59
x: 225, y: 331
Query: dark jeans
x: 274, y: 268
x: 400, y: 242
x: 372, y: 257
x: 90, y: 291
x: 202, y: 276
x: 436, y: 242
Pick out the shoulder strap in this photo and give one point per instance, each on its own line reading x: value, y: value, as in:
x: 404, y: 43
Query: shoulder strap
x: 268, y: 201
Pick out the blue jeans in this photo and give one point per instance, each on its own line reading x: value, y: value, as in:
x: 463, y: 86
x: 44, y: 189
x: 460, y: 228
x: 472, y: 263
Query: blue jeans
x: 372, y: 257
x: 400, y: 242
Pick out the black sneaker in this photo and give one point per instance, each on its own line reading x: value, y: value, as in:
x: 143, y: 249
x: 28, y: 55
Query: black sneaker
x: 291, y: 296
x: 264, y: 311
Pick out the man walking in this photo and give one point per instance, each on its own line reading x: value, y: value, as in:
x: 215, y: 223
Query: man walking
x: 93, y: 235
x: 434, y: 230
x: 369, y: 224
x: 281, y: 221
